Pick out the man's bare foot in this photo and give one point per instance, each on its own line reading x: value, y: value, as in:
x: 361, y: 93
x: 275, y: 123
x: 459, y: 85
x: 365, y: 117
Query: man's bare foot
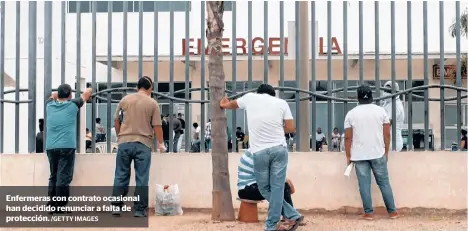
x: 394, y: 215
x: 368, y: 216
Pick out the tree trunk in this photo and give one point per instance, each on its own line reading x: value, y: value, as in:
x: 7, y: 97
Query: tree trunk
x: 222, y: 199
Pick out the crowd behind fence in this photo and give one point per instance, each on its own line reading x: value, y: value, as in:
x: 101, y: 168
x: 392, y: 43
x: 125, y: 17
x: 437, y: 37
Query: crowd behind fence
x: 336, y: 97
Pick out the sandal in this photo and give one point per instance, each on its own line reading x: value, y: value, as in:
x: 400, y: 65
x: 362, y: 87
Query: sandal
x: 283, y: 226
x: 295, y: 223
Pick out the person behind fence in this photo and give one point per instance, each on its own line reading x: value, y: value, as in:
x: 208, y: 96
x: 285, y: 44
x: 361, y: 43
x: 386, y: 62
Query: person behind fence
x: 269, y: 118
x: 61, y: 133
x: 141, y: 121
x: 100, y: 132
x: 400, y: 114
x: 182, y: 124
x: 40, y: 137
x: 367, y: 143
x: 336, y: 139
x: 208, y: 135
x: 177, y: 131
x: 247, y: 185
x: 196, y: 138
x: 320, y: 139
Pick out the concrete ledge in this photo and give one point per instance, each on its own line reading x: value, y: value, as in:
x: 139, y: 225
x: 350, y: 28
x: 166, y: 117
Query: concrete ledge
x: 429, y: 180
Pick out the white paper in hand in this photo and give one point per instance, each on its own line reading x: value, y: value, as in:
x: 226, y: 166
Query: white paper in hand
x: 349, y: 169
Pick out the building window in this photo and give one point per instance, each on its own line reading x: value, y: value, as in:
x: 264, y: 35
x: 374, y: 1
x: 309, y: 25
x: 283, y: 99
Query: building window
x: 133, y: 6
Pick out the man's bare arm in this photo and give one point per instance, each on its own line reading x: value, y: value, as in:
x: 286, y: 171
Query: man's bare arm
x: 289, y: 126
x: 348, y: 142
x: 225, y: 103
x: 159, y: 133
x: 386, y: 135
x: 117, y: 126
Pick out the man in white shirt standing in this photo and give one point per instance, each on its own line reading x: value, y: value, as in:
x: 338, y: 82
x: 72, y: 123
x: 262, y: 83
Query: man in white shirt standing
x: 400, y: 114
x: 367, y: 141
x: 269, y: 118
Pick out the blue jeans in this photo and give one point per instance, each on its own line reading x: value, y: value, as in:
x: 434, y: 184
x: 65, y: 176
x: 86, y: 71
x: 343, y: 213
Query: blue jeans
x: 270, y: 172
x: 379, y: 168
x: 141, y: 154
x: 61, y: 163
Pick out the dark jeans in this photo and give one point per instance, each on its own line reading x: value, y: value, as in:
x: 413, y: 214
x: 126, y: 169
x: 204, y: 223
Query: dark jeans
x: 141, y: 154
x: 61, y: 162
x: 252, y: 193
x: 176, y: 141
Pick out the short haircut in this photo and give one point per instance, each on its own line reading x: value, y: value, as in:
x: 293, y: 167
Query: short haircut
x: 266, y: 89
x: 64, y: 91
x: 364, y: 94
x: 195, y: 125
x: 463, y: 132
x: 179, y: 114
x: 145, y: 82
x: 98, y: 120
x: 239, y: 128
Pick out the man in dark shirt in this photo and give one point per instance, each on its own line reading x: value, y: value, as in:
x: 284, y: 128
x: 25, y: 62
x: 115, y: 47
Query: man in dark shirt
x: 40, y: 137
x: 240, y: 137
x: 165, y: 128
x: 61, y: 132
x: 177, y: 128
x: 182, y: 122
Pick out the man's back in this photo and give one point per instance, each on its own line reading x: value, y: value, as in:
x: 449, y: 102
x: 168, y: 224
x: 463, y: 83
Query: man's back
x: 138, y: 112
x: 367, y: 122
x: 61, y: 123
x: 265, y: 115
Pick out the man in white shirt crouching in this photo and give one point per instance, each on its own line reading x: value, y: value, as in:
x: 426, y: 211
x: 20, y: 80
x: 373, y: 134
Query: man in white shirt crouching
x: 269, y: 118
x: 367, y: 142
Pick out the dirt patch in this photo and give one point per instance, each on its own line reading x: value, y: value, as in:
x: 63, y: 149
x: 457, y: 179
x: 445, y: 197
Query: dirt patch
x: 197, y: 221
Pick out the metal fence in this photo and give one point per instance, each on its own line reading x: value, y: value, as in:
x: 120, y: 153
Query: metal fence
x: 306, y: 93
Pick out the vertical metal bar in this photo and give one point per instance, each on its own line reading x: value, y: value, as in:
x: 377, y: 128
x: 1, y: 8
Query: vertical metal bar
x: 303, y: 109
x: 266, y: 64
x: 2, y: 71
x: 281, y: 16
x: 249, y: 43
x: 32, y: 75
x: 345, y: 56
x: 93, y: 77
x: 187, y: 76
x: 18, y: 78
x: 171, y: 77
x: 409, y: 145
x: 78, y: 70
x: 109, y: 74
x: 314, y: 74
x: 249, y: 56
x: 361, y: 43
x: 458, y: 72
x: 393, y: 72
x: 140, y: 38
x: 155, y: 60
x: 47, y: 57
x: 426, y: 78
x: 442, y: 75
x: 124, y: 46
x: 234, y: 69
x: 329, y: 68
x: 298, y: 68
x: 377, y: 50
x: 202, y: 76
x: 63, y: 45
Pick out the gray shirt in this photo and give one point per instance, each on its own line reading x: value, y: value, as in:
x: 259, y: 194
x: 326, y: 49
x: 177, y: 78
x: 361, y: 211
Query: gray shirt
x: 176, y: 125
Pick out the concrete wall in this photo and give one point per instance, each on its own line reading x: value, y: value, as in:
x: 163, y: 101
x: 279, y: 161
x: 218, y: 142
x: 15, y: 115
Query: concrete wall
x: 419, y: 179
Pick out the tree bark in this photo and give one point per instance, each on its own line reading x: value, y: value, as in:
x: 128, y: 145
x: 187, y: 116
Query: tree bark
x: 223, y: 209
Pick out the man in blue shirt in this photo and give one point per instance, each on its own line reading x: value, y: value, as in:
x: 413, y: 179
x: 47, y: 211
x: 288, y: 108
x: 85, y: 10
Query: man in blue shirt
x: 61, y: 120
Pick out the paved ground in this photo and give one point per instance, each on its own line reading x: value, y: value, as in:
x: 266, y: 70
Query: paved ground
x: 201, y: 222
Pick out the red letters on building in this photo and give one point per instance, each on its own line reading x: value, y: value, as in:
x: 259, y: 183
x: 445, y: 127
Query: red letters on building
x: 258, y: 46
x: 241, y: 46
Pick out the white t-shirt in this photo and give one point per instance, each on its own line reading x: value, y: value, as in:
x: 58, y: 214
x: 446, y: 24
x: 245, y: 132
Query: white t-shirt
x: 367, y: 122
x: 265, y: 116
x: 398, y: 122
x: 197, y: 132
